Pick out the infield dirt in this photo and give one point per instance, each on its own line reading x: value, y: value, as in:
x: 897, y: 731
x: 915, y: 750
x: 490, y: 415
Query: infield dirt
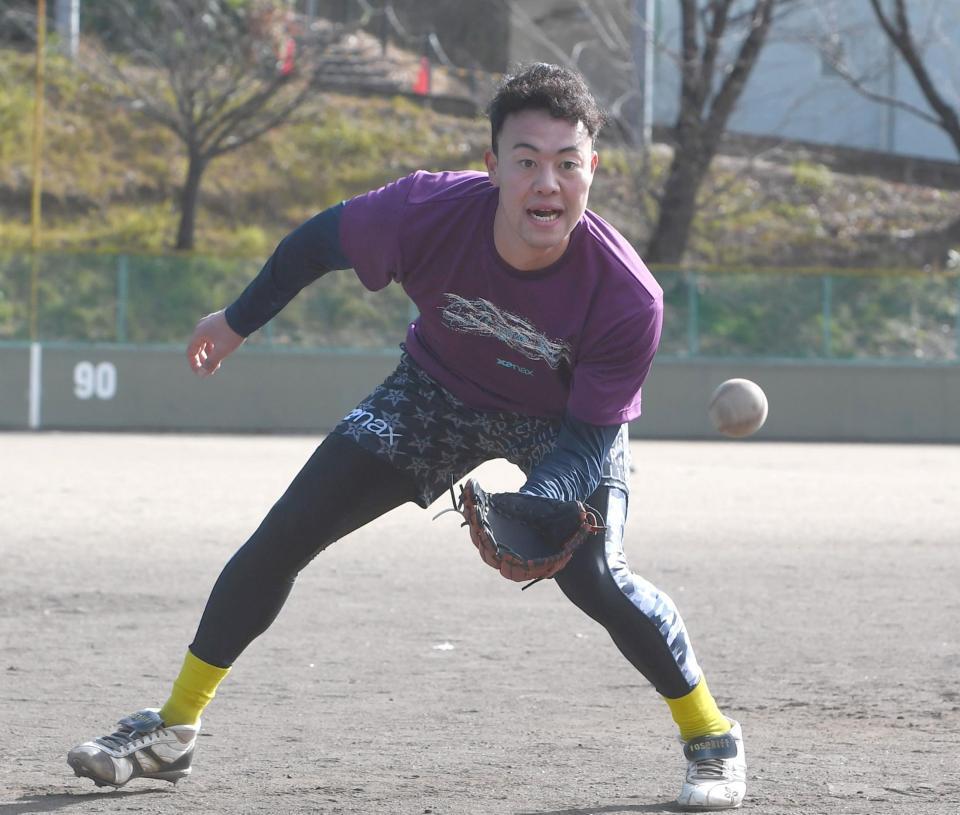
x: 819, y: 584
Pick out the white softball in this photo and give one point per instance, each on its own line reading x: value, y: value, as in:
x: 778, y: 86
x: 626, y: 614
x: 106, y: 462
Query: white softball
x: 738, y: 408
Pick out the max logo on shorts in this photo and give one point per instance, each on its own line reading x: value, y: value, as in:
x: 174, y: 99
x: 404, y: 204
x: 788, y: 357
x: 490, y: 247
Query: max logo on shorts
x: 367, y: 421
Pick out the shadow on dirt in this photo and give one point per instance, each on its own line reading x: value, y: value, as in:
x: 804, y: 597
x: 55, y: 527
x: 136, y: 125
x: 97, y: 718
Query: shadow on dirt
x: 56, y: 801
x: 607, y: 809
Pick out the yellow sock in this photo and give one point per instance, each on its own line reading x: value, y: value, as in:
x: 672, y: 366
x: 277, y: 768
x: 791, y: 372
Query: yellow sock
x: 193, y: 690
x: 697, y: 714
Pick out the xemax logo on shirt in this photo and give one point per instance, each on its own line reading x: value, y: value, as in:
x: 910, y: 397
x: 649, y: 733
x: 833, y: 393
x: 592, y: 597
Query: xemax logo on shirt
x: 506, y: 363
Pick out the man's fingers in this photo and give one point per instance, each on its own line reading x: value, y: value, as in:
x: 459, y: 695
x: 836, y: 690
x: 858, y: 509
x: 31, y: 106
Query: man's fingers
x: 199, y: 355
x: 210, y: 363
x: 204, y: 354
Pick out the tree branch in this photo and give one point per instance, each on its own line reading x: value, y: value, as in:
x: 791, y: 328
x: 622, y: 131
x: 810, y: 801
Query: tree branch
x: 711, y: 46
x: 735, y: 80
x: 901, y: 36
x: 691, y: 92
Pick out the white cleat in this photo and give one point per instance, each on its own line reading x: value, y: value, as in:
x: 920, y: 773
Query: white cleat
x: 716, y: 771
x: 141, y: 747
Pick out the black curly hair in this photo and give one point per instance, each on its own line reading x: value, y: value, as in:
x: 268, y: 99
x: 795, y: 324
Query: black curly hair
x: 541, y: 86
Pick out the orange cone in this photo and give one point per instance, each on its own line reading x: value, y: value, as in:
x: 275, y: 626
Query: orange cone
x: 422, y: 85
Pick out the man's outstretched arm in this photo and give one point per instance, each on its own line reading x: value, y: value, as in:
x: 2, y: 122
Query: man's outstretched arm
x: 307, y: 253
x: 572, y: 470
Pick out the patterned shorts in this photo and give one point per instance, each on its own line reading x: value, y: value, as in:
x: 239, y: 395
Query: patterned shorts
x: 424, y: 430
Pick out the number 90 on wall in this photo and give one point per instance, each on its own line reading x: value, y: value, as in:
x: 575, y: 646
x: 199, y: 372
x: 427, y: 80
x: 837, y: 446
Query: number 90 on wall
x: 94, y: 381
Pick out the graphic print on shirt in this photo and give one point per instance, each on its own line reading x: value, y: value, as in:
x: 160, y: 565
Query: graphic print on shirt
x: 484, y: 318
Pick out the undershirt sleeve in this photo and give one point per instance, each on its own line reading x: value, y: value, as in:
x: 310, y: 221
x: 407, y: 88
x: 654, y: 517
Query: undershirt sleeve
x: 572, y: 470
x: 307, y: 253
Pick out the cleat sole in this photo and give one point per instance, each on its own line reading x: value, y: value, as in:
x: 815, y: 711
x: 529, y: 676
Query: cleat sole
x: 82, y: 772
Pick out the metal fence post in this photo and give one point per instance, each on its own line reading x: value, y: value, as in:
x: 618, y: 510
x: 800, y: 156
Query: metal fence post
x: 33, y: 313
x: 123, y: 287
x: 826, y: 298
x: 956, y: 323
x: 693, y: 314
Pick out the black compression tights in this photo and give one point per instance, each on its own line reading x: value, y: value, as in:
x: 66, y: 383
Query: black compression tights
x: 589, y: 584
x: 341, y: 488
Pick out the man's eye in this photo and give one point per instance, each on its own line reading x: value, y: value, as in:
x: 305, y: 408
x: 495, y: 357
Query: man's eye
x: 526, y: 163
x: 568, y: 165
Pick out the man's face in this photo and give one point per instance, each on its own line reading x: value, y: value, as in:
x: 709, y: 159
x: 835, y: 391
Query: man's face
x: 544, y: 169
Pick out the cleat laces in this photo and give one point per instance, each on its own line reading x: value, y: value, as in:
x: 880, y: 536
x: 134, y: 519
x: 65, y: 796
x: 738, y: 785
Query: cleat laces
x: 710, y: 768
x: 118, y: 740
x: 133, y: 729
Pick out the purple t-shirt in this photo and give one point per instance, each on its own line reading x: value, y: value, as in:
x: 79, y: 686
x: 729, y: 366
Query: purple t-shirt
x: 579, y: 335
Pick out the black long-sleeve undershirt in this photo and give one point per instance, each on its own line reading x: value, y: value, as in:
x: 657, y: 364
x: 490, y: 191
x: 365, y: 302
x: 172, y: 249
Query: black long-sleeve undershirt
x: 306, y: 254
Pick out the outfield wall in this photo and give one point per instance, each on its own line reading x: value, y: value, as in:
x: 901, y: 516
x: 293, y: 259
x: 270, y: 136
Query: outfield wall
x: 111, y: 387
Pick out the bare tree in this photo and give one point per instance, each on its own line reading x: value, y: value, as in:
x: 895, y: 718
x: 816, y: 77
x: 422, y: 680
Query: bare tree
x: 710, y: 89
x: 219, y: 74
x: 896, y: 25
x: 940, y: 110
x: 719, y: 43
x: 865, y: 75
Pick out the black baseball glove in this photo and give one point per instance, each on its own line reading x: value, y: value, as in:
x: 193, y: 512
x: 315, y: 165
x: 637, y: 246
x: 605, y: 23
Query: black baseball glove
x: 525, y: 537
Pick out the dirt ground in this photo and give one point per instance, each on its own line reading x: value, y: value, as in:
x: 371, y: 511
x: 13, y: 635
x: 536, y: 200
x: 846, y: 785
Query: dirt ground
x: 819, y: 584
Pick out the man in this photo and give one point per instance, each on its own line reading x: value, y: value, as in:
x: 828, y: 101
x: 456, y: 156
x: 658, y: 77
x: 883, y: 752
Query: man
x: 538, y: 325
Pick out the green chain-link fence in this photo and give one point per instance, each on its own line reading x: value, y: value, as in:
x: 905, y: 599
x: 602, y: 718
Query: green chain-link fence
x: 158, y: 300
x: 151, y: 300
x: 802, y: 315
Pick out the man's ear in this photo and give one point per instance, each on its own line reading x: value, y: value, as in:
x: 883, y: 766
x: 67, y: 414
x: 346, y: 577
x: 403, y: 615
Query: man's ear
x: 594, y: 161
x: 490, y: 159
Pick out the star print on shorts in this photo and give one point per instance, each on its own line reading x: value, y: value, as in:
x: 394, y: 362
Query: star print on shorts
x: 423, y: 429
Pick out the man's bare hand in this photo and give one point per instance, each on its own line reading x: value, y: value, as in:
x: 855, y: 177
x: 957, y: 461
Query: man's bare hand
x: 213, y: 341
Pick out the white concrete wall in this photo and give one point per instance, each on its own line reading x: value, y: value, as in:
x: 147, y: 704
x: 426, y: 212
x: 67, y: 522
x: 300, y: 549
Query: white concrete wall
x: 126, y: 388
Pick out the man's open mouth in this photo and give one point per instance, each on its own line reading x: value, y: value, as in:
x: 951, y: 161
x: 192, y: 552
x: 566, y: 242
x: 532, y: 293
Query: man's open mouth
x: 544, y: 216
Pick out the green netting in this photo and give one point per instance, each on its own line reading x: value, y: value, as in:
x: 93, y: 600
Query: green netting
x: 149, y: 300
x: 805, y: 316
